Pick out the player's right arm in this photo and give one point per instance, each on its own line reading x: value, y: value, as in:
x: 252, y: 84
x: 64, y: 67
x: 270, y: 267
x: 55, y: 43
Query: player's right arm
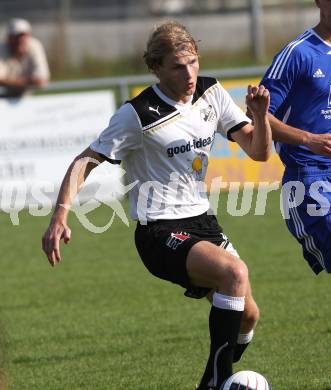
x: 73, y: 180
x: 113, y: 144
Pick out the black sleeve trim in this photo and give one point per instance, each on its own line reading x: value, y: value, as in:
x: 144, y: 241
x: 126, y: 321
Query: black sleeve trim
x: 236, y: 128
x: 109, y: 159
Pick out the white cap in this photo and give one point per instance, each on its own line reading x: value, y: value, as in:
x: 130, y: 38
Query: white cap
x: 18, y: 26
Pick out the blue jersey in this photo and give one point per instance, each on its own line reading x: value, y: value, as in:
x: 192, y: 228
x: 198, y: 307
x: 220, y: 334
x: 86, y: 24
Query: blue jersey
x: 299, y: 80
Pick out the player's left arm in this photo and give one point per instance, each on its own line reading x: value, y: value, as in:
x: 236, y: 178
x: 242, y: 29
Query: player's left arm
x: 256, y: 140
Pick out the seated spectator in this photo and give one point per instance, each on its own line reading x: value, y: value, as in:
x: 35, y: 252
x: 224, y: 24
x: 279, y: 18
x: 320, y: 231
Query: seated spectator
x: 23, y: 63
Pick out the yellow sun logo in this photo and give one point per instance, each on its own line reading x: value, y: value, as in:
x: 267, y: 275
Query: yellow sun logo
x: 197, y: 164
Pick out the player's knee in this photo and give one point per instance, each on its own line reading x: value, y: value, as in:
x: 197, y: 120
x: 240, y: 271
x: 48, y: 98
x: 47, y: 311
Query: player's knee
x: 237, y: 274
x: 240, y: 272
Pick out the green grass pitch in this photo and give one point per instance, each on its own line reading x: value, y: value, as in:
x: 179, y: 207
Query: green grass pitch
x: 100, y: 321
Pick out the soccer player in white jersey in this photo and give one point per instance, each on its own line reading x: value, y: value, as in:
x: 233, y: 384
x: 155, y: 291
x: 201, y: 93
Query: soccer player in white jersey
x: 299, y: 81
x: 164, y: 136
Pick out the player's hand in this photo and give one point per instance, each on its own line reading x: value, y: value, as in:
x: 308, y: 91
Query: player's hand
x: 258, y: 100
x: 320, y: 144
x: 56, y: 231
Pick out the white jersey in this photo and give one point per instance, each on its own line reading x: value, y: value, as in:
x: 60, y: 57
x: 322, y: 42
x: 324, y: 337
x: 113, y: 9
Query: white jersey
x: 166, y: 145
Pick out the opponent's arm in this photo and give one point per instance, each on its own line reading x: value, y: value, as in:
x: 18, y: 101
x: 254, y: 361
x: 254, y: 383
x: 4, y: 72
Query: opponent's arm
x: 256, y: 140
x: 317, y: 143
x: 71, y: 184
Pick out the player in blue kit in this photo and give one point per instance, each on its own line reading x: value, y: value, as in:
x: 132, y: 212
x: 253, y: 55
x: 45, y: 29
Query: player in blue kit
x: 299, y: 81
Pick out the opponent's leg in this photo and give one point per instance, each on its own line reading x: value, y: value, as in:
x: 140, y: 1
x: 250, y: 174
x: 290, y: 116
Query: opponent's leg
x: 213, y: 267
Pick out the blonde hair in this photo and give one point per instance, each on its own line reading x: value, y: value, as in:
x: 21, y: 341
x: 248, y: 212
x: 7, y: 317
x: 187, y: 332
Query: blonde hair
x: 169, y: 37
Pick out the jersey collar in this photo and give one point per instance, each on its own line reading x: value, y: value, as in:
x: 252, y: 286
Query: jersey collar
x: 177, y: 105
x: 320, y: 38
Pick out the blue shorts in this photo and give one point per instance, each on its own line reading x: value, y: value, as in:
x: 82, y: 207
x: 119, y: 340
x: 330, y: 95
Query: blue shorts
x: 306, y: 194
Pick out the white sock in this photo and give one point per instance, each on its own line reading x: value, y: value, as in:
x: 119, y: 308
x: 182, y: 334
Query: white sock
x: 228, y: 303
x: 245, y: 338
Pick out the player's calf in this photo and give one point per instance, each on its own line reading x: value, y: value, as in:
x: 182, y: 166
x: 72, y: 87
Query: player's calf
x: 249, y: 320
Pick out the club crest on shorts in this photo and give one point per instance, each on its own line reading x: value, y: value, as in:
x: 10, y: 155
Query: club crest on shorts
x: 176, y: 239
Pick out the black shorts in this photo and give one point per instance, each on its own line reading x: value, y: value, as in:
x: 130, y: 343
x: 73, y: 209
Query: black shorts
x: 163, y: 246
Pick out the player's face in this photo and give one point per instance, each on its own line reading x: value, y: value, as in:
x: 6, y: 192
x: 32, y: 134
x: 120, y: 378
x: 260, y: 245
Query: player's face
x: 178, y: 74
x: 325, y: 9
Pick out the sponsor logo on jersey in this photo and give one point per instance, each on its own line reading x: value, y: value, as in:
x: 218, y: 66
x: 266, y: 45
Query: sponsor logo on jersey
x: 199, y: 166
x: 318, y: 74
x: 327, y: 113
x: 195, y: 144
x: 176, y: 239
